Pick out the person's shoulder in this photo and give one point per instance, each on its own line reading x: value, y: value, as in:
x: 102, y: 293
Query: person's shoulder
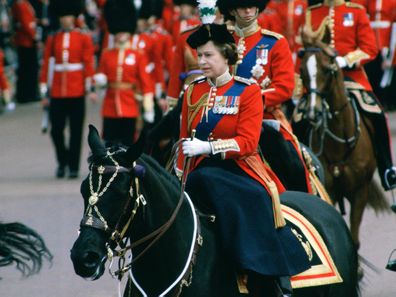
x: 272, y: 34
x: 354, y: 5
x: 242, y: 80
x: 314, y: 7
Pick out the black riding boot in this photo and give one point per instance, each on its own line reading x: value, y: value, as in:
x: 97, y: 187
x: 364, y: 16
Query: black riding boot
x: 263, y: 286
x: 386, y: 170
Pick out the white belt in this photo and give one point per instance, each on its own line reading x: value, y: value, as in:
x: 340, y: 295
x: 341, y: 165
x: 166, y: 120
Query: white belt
x: 380, y: 24
x: 68, y: 67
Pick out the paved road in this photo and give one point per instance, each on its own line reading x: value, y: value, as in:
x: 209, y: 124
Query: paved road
x: 29, y: 193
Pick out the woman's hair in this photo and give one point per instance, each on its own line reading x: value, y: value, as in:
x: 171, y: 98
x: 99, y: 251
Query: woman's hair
x: 228, y: 51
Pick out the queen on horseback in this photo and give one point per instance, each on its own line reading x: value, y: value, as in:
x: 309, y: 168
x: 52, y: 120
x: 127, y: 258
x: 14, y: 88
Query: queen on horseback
x: 220, y: 125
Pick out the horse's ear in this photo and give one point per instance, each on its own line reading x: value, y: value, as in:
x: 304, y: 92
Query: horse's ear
x: 95, y: 142
x: 136, y: 149
x: 306, y: 36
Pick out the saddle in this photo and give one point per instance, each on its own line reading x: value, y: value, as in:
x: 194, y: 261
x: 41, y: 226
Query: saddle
x: 323, y: 270
x: 365, y: 100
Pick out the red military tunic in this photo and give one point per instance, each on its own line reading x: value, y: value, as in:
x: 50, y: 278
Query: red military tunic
x: 25, y: 20
x: 267, y: 53
x: 266, y: 58
x: 381, y: 14
x: 353, y: 37
x: 269, y: 20
x: 290, y: 17
x: 74, y: 63
x: 124, y: 69
x: 4, y: 85
x: 182, y: 25
x: 238, y: 128
x: 184, y: 61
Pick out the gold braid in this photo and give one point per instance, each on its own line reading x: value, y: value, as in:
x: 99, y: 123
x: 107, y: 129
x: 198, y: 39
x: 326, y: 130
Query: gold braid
x: 193, y: 109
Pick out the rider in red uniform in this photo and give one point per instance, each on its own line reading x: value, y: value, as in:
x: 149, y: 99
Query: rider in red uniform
x: 354, y: 40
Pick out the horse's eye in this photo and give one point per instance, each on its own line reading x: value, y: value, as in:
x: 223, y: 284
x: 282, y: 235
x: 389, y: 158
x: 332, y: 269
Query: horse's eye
x: 301, y: 53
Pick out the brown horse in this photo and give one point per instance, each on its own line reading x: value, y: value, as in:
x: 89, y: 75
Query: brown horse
x: 336, y: 131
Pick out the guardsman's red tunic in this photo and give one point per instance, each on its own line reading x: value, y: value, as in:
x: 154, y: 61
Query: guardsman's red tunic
x: 184, y: 64
x: 353, y: 37
x: 233, y: 118
x: 124, y: 69
x: 182, y: 25
x: 74, y: 63
x: 25, y: 20
x: 267, y: 59
x: 4, y: 85
x: 290, y: 17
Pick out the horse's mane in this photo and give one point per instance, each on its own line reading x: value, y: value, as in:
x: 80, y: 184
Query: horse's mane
x: 154, y: 169
x: 22, y: 246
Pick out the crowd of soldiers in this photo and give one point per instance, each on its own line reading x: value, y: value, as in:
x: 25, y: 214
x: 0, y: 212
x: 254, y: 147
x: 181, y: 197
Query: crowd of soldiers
x: 71, y: 49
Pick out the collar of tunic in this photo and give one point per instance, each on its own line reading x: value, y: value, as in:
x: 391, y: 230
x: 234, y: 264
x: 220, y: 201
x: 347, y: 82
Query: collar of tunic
x: 221, y: 80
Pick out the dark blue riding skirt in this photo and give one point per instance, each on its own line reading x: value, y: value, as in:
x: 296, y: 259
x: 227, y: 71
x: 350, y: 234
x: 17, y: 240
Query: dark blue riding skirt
x: 245, y: 220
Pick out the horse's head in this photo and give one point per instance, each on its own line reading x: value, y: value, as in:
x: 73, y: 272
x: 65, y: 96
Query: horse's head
x: 110, y: 195
x: 318, y: 68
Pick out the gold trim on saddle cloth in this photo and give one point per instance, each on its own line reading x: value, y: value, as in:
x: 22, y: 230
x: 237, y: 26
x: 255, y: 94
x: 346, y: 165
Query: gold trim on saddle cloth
x: 323, y: 273
x: 323, y: 270
x: 365, y: 101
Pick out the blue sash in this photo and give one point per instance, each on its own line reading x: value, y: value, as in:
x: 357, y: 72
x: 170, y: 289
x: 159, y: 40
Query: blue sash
x: 243, y: 70
x: 204, y: 128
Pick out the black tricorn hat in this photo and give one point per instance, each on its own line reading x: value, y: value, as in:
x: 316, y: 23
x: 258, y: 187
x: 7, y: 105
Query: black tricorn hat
x: 214, y: 32
x: 120, y: 16
x: 225, y: 6
x: 190, y: 2
x: 61, y: 8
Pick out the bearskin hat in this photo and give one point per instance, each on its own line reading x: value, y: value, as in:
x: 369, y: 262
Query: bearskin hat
x: 61, y: 8
x: 225, y: 6
x: 189, y: 2
x: 215, y: 32
x: 120, y: 16
x: 151, y: 8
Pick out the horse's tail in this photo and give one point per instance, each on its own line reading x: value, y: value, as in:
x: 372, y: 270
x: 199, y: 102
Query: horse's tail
x: 377, y: 199
x: 22, y: 246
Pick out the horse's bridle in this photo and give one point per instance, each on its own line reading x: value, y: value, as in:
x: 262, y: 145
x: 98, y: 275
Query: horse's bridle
x: 327, y: 113
x: 117, y: 234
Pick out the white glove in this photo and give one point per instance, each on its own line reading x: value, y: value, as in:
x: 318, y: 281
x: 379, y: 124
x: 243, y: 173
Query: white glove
x: 341, y: 61
x: 196, y: 147
x: 148, y: 116
x: 100, y: 79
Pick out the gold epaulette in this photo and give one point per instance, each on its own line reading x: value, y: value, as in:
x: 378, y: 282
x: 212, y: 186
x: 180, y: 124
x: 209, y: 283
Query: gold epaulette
x: 354, y: 5
x: 198, y: 80
x: 271, y: 33
x: 243, y: 80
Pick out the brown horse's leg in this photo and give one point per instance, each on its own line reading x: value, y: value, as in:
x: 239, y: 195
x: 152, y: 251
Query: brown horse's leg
x: 358, y: 204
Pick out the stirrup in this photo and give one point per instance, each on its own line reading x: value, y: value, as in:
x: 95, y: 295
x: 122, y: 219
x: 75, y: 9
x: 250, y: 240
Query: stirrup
x: 391, y: 263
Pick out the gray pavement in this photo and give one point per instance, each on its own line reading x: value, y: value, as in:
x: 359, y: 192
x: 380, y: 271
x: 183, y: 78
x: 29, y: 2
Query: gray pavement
x: 29, y: 193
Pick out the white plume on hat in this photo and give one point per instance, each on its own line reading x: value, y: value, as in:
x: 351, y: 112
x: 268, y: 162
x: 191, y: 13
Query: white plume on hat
x: 207, y: 11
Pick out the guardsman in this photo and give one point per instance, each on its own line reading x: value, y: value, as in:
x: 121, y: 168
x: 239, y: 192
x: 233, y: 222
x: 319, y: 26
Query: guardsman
x: 66, y: 77
x: 122, y: 70
x: 25, y: 41
x: 150, y: 22
x: 354, y: 40
x: 290, y: 17
x: 380, y: 70
x: 5, y: 86
x: 265, y: 57
x: 187, y: 19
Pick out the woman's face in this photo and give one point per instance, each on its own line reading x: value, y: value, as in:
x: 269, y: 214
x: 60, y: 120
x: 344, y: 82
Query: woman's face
x: 211, y: 61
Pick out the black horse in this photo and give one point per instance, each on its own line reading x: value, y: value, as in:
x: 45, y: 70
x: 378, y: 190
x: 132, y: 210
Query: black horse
x: 129, y: 196
x: 23, y: 247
